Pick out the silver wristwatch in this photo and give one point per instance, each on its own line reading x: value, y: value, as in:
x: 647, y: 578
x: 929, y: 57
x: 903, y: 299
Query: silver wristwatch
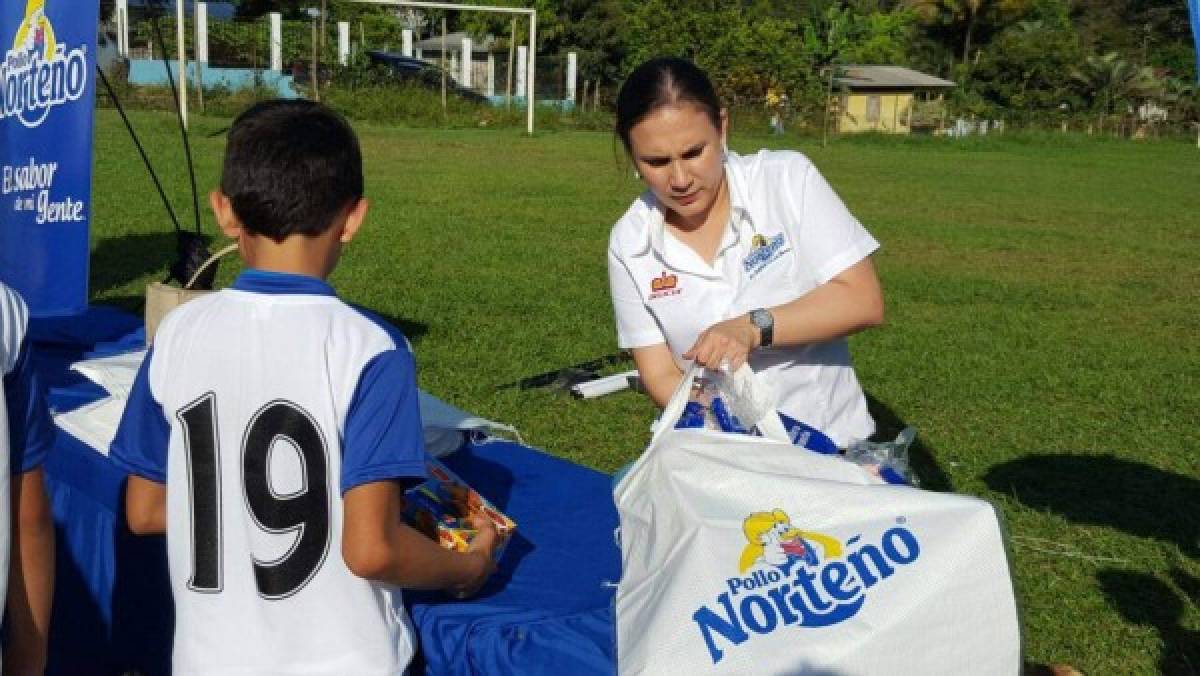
x: 765, y: 322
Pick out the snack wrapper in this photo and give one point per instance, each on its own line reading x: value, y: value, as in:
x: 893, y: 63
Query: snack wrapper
x: 440, y: 508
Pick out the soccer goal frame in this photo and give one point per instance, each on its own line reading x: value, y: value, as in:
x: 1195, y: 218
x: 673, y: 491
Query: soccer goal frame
x: 530, y: 67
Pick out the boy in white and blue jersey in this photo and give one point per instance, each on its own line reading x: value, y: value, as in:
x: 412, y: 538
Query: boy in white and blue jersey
x: 272, y: 428
x: 26, y: 527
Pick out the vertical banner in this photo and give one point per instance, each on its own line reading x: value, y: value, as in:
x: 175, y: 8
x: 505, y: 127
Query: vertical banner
x: 1194, y: 10
x: 47, y: 100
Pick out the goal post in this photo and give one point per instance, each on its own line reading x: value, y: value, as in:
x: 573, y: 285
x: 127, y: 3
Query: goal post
x: 530, y: 89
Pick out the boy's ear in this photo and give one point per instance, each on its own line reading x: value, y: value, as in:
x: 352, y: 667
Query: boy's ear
x: 354, y: 220
x: 223, y: 209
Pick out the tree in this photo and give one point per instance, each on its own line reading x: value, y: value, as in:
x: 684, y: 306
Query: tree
x: 963, y: 18
x: 252, y: 9
x: 1028, y: 66
x: 744, y: 49
x: 1110, y: 84
x: 1183, y: 98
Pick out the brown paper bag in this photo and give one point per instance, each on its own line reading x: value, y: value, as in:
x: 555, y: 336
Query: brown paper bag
x: 162, y: 298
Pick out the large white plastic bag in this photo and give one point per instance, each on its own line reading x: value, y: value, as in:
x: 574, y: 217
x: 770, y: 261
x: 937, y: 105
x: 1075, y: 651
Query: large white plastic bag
x: 923, y: 577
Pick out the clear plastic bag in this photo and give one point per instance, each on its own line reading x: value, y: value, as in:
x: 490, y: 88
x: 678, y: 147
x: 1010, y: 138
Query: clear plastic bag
x: 887, y: 459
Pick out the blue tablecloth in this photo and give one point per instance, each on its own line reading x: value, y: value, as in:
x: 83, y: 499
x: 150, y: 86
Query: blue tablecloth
x: 548, y: 610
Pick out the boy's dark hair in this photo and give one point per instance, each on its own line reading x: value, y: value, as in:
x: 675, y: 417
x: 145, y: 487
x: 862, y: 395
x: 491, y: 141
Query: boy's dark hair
x: 290, y: 168
x: 662, y: 82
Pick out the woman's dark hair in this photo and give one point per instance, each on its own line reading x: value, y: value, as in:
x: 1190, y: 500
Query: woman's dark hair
x: 662, y: 82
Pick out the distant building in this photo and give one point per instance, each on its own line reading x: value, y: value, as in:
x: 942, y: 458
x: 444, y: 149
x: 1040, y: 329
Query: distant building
x: 881, y: 98
x: 483, y: 56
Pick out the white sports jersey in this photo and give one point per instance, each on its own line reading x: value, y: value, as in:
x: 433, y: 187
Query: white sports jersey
x: 259, y: 406
x: 26, y: 433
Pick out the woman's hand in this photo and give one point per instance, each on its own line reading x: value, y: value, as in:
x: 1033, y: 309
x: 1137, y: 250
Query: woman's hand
x: 726, y: 344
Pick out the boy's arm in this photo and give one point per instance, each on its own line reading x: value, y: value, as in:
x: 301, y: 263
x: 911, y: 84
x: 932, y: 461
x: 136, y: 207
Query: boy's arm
x: 377, y: 545
x: 31, y: 576
x: 140, y: 449
x: 145, y: 506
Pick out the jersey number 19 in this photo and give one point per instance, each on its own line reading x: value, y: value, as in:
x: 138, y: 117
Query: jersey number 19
x: 305, y: 511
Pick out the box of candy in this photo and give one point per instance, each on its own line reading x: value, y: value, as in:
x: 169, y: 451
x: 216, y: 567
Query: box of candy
x: 441, y: 506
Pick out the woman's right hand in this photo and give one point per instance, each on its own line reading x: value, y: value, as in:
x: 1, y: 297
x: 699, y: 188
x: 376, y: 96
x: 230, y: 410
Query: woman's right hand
x: 726, y: 344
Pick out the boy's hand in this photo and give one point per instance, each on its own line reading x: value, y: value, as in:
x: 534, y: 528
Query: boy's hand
x: 482, y: 553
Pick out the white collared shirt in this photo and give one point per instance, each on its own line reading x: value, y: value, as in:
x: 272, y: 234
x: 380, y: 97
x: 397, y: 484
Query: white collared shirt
x: 788, y: 234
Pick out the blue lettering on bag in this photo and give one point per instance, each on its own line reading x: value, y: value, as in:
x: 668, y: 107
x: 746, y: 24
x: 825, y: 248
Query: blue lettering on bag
x: 766, y: 600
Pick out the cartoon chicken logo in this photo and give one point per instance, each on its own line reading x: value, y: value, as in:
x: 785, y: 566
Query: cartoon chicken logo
x: 771, y: 540
x: 36, y: 35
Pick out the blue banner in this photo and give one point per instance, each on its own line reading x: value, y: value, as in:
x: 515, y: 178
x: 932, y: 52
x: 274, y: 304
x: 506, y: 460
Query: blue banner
x: 47, y: 100
x: 1194, y: 10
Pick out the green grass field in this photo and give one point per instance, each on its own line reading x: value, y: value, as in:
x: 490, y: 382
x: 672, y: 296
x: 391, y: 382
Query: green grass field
x: 1043, y: 328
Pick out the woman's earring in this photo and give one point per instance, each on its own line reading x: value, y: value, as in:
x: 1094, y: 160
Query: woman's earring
x: 637, y: 174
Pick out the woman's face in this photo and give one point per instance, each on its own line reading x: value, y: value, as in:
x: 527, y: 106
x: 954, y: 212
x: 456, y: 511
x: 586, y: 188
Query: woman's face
x: 679, y: 153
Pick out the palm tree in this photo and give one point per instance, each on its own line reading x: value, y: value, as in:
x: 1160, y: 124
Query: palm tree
x: 1110, y: 81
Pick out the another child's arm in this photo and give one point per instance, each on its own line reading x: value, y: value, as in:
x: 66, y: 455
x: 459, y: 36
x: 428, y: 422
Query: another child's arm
x: 31, y: 561
x: 377, y: 545
x: 31, y: 576
x: 146, y: 506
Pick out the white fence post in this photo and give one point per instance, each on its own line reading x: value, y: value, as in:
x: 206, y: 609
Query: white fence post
x: 122, y: 11
x: 491, y: 75
x: 467, y: 63
x: 572, y: 62
x: 406, y: 42
x: 343, y: 42
x: 181, y: 49
x: 522, y: 71
x: 276, y: 41
x: 201, y: 19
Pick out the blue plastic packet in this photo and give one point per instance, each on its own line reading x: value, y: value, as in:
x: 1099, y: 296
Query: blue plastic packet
x: 692, y: 417
x: 807, y: 436
x: 726, y: 420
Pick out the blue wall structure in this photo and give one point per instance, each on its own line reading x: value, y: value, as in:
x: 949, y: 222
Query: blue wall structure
x: 153, y: 72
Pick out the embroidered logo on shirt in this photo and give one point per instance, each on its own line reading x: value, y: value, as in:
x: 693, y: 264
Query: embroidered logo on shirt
x: 764, y: 251
x: 666, y: 285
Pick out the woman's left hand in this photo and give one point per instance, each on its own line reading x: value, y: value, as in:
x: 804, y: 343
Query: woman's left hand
x: 726, y: 344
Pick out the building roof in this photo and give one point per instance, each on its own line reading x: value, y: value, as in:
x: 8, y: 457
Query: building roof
x: 454, y: 43
x: 888, y: 77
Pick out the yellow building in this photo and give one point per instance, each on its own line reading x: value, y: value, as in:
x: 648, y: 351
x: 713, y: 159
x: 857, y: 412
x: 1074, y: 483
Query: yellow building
x: 880, y: 98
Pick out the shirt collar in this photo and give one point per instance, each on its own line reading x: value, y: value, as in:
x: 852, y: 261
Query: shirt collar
x: 281, y: 283
x: 739, y: 212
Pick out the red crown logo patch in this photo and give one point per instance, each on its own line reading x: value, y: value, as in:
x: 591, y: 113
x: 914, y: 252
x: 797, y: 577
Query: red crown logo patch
x: 664, y: 283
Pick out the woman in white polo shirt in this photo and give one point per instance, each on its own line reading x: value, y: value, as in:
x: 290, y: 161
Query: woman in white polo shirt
x: 728, y: 258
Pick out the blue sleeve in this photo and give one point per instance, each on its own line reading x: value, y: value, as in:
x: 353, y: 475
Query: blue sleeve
x: 383, y: 438
x: 140, y: 446
x: 31, y: 433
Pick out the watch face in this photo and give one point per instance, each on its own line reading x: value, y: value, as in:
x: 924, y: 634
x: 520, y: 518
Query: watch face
x: 761, y: 318
x: 765, y: 323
